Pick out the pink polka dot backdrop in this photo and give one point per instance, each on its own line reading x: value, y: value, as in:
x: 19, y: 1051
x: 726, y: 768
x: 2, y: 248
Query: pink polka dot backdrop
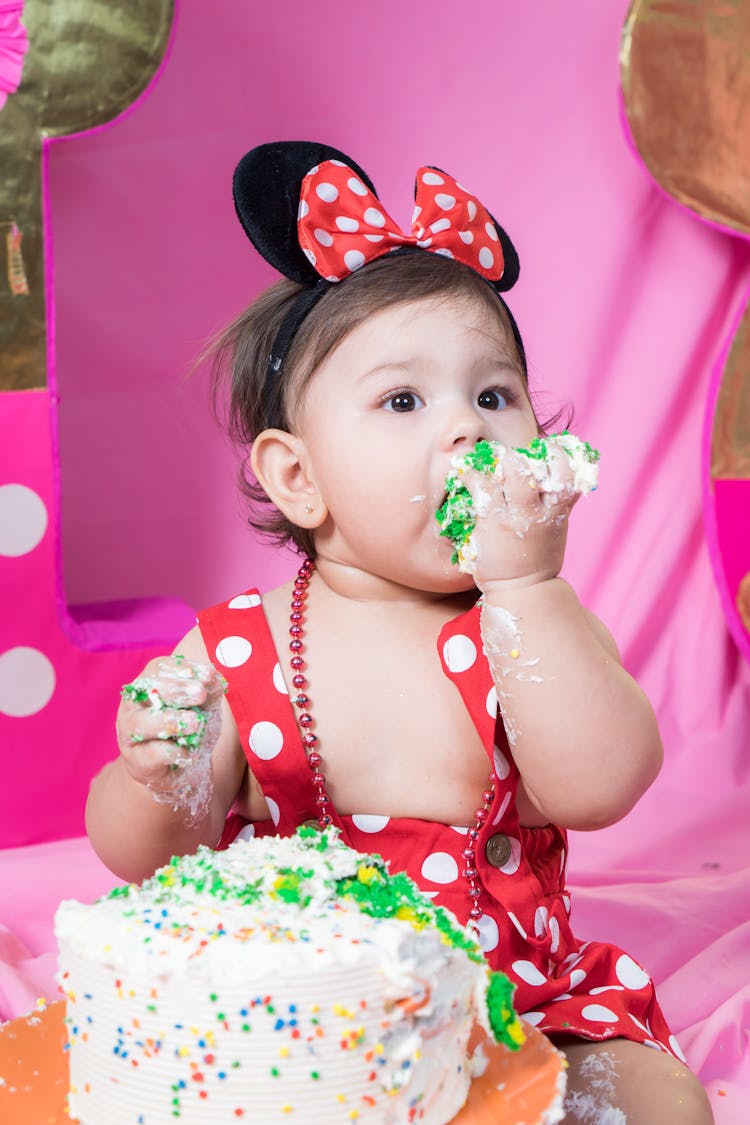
x: 118, y: 512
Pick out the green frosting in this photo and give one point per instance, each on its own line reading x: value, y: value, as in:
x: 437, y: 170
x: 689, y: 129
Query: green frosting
x: 456, y: 517
x: 504, y: 1022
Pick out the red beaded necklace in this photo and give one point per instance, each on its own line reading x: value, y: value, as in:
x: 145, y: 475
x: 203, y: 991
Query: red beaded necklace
x: 310, y: 741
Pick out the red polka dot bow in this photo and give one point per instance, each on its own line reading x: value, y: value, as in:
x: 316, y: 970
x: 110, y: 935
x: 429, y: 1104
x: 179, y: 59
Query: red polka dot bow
x: 341, y: 225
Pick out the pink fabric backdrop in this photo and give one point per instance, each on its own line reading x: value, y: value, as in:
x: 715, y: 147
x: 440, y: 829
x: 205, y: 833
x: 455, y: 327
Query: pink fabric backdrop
x: 625, y: 302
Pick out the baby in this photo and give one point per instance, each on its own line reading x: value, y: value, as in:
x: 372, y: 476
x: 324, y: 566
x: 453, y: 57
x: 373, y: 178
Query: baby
x: 455, y: 719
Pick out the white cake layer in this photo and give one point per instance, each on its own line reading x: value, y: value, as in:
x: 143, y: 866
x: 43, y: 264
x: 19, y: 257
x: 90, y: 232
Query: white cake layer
x: 187, y: 1006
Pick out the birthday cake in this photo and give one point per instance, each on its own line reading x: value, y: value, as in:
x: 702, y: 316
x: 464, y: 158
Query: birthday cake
x: 284, y: 979
x: 457, y: 515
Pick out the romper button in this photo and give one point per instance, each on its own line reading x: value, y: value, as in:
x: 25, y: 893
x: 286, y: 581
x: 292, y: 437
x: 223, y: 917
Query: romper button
x: 498, y: 850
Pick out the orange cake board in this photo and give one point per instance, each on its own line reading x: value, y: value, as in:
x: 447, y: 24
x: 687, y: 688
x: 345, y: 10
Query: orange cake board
x: 515, y: 1089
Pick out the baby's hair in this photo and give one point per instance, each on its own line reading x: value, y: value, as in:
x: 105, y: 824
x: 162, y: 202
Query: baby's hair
x: 240, y: 354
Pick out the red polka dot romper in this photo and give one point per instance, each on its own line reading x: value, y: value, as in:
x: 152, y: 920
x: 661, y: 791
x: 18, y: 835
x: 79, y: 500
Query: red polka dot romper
x: 590, y: 989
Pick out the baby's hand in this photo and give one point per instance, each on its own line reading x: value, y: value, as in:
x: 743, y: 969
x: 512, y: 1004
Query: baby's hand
x: 167, y: 725
x: 507, y: 510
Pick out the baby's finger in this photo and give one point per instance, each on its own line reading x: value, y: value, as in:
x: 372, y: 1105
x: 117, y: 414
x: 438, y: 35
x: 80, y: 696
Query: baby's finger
x: 523, y: 480
x: 166, y: 723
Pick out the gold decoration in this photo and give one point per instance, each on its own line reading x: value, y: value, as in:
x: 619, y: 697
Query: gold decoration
x: 685, y: 70
x: 87, y: 61
x: 730, y: 436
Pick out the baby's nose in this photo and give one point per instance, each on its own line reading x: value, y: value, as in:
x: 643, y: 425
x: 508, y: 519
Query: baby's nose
x: 465, y: 428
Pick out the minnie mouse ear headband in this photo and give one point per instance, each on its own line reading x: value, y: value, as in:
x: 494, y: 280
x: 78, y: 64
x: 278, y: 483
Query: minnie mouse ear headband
x: 314, y: 215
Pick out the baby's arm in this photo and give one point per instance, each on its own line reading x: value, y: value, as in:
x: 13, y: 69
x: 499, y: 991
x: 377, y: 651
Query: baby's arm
x: 141, y: 810
x: 582, y: 732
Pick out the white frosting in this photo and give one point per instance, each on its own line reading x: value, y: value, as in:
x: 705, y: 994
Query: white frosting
x: 186, y: 1003
x: 559, y: 466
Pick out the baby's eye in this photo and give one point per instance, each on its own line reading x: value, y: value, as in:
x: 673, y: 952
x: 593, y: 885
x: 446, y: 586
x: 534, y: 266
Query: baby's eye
x: 402, y: 402
x: 494, y: 399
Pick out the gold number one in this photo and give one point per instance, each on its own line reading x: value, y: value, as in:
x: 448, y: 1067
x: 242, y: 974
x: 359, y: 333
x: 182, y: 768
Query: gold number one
x: 87, y: 61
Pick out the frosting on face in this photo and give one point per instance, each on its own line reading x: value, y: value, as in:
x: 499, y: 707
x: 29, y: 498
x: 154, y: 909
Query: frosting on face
x: 287, y: 972
x: 541, y: 464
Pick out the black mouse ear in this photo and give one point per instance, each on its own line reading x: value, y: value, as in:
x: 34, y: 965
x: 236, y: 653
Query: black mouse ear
x: 266, y: 187
x: 510, y: 258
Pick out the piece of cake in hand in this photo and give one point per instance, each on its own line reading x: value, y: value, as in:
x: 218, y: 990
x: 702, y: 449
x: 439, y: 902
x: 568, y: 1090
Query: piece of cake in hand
x: 457, y: 515
x: 284, y: 979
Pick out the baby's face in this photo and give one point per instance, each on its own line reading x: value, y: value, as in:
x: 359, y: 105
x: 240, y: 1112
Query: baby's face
x: 384, y: 414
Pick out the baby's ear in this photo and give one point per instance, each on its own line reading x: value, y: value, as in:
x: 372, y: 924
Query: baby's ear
x: 279, y: 461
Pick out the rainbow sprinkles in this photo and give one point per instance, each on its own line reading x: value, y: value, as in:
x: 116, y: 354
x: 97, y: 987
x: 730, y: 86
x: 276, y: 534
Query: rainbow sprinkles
x: 284, y: 979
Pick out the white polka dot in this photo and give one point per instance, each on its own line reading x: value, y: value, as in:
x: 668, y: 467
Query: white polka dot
x: 577, y: 977
x: 460, y: 828
x: 502, y: 809
x: 424, y: 242
x: 441, y: 224
x: 488, y: 933
x: 356, y: 186
x: 502, y: 765
x: 444, y: 251
x: 514, y: 862
x: 374, y: 237
x: 466, y: 236
x: 266, y: 740
x: 606, y: 988
x: 274, y: 810
x: 528, y: 972
x: 415, y: 215
x: 374, y: 217
x: 27, y: 681
x: 445, y: 201
x: 23, y: 520
x: 246, y: 833
x: 278, y: 679
x: 459, y: 653
x: 343, y: 222
x: 323, y: 237
x: 630, y: 974
x: 676, y: 1048
x: 638, y: 1023
x: 517, y: 924
x: 533, y: 1018
x: 303, y: 209
x: 233, y: 651
x: 491, y: 703
x: 566, y: 903
x: 433, y: 179
x: 338, y: 163
x: 562, y: 996
x: 310, y: 257
x: 327, y: 192
x: 244, y: 601
x: 490, y: 228
x: 354, y: 259
x: 554, y: 930
x: 486, y: 258
x: 597, y: 1013
x: 471, y: 207
x: 440, y: 867
x: 367, y: 822
x: 541, y: 920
